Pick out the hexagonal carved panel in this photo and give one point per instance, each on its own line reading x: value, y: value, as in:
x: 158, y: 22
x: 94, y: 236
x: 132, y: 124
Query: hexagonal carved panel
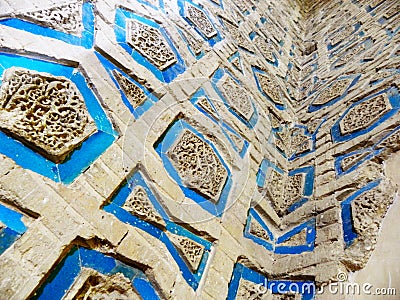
x: 66, y: 18
x: 237, y: 97
x: 364, y: 114
x: 198, y: 165
x: 45, y: 112
x: 150, y: 43
x: 200, y: 20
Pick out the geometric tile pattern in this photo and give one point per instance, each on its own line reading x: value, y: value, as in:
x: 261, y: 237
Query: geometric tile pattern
x: 201, y: 161
x: 142, y: 155
x: 94, y: 140
x: 247, y: 283
x: 75, y: 27
x: 136, y: 204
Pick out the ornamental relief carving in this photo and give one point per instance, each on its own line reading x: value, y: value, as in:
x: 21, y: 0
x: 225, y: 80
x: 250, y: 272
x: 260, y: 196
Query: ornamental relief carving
x: 91, y: 284
x: 365, y: 114
x: 237, y: 97
x: 374, y: 3
x: 349, y: 55
x: 393, y: 10
x: 236, y: 63
x: 241, y: 4
x: 139, y: 204
x: 237, y: 141
x: 150, y: 43
x: 350, y: 161
x: 200, y: 20
x: 133, y: 93
x: 284, y: 191
x: 294, y: 188
x: 204, y: 104
x: 198, y: 166
x: 297, y: 239
x: 333, y: 91
x: 195, y: 44
x: 391, y: 142
x: 257, y: 230
x: 342, y: 34
x: 238, y: 37
x: 264, y: 48
x: 45, y: 112
x: 66, y: 18
x: 191, y: 251
x: 250, y: 290
x: 296, y: 141
x: 270, y: 87
x: 368, y: 210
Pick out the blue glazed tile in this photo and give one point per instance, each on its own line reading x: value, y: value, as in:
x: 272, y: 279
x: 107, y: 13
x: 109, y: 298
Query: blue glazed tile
x: 309, y: 178
x: 27, y: 158
x: 369, y: 153
x: 12, y: 219
x: 313, y: 108
x: 167, y: 75
x: 195, y: 101
x: 114, y: 207
x: 214, y: 81
x: 65, y: 273
x: 257, y: 70
x: 87, y: 35
x: 179, y: 230
x: 186, y: 273
x: 211, y: 41
x: 253, y: 215
x: 349, y: 235
x: 138, y: 111
x: 274, y: 244
x: 96, y: 261
x: 312, y: 138
x: 394, y: 99
x: 310, y: 239
x: 61, y: 278
x: 145, y: 289
x: 297, y: 205
x: 7, y: 238
x: 118, y: 200
x: 163, y: 146
x: 234, y: 283
x: 306, y: 289
x: 198, y: 56
x: 128, y: 272
x: 81, y: 157
x: 84, y: 156
x: 192, y: 278
x: 234, y: 56
x: 130, y: 219
x: 241, y: 152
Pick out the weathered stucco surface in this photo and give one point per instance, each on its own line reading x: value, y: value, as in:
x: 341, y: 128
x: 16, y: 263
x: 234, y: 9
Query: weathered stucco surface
x: 198, y: 149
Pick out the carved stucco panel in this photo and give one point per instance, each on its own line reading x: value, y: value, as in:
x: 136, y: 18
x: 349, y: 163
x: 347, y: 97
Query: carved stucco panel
x: 150, y: 42
x: 45, y: 112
